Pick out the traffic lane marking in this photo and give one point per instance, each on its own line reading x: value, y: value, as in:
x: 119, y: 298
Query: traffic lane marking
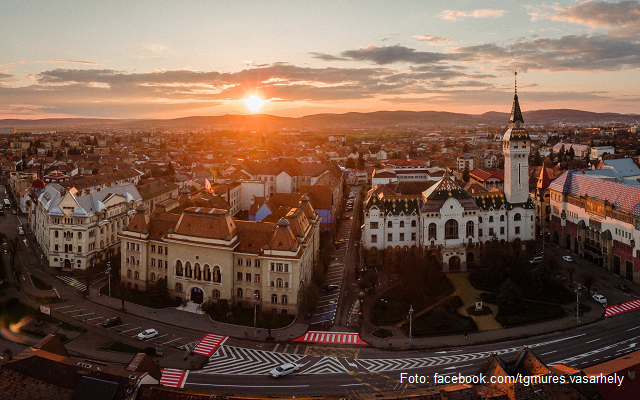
x: 90, y: 319
x: 157, y: 337
x: 60, y: 308
x: 119, y: 326
x: 171, y: 341
x: 82, y: 315
x: 73, y: 311
x: 131, y: 329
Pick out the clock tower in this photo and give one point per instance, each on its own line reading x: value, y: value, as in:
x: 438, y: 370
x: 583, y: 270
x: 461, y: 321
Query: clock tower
x: 516, y: 148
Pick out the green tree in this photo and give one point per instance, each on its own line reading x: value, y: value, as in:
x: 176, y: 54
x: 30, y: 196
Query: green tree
x: 510, y: 299
x: 360, y: 161
x: 571, y: 153
x: 350, y: 163
x: 561, y: 154
x: 268, y: 316
x: 465, y: 174
x: 159, y: 291
x: 537, y: 159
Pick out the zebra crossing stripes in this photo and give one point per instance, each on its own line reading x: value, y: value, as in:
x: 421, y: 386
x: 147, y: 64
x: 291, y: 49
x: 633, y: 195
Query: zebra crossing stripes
x: 73, y: 282
x: 229, y: 360
x: 173, y: 377
x: 209, y: 344
x: 325, y: 365
x: 621, y: 308
x: 331, y: 337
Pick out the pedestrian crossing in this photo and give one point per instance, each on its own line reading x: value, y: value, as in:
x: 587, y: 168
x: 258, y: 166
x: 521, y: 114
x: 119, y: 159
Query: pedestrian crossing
x: 331, y: 337
x: 230, y: 360
x: 73, y: 282
x: 173, y: 377
x: 209, y: 344
x: 621, y: 308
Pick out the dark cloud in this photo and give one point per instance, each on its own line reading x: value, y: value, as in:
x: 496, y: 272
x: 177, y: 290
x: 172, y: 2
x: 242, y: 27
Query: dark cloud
x: 326, y: 57
x: 396, y: 54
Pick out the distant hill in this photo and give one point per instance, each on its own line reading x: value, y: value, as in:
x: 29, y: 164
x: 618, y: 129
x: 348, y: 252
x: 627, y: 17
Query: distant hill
x: 351, y: 120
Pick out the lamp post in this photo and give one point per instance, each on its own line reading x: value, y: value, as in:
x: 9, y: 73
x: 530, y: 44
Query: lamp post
x: 410, y: 323
x: 255, y: 314
x: 108, y: 272
x: 578, y: 287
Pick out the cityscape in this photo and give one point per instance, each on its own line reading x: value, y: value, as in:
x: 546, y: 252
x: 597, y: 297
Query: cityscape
x: 211, y: 200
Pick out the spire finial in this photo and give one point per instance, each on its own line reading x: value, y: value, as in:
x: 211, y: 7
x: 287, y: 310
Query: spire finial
x: 515, y: 74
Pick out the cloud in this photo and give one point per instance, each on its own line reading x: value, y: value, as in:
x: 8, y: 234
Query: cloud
x: 623, y: 17
x: 451, y: 15
x: 435, y: 40
x: 393, y: 54
x: 73, y: 62
x: 4, y: 75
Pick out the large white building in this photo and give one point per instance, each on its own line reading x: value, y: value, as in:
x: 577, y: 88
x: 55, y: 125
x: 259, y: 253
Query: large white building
x: 73, y: 230
x: 449, y: 220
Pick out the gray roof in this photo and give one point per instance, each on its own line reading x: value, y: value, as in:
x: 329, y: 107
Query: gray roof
x: 89, y: 204
x: 625, y: 167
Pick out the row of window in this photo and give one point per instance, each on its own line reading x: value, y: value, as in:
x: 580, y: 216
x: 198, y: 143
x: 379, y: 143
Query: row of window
x: 160, y: 249
x: 374, y: 238
x: 160, y: 263
x: 68, y: 248
x: 67, y: 234
x: 374, y: 225
x: 133, y: 246
x: 207, y: 274
x: 247, y: 262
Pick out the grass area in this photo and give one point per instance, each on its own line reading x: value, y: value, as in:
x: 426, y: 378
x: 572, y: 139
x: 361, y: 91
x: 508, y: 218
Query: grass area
x: 120, y: 347
x: 244, y: 317
x: 531, y: 312
x: 137, y: 297
x: 39, y: 283
x: 442, y: 320
x: 395, y: 306
x: 553, y: 293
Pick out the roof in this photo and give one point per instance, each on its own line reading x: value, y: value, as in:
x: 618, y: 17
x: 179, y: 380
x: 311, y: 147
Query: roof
x: 625, y: 198
x: 155, y: 188
x: 625, y: 167
x: 444, y: 189
x: 514, y: 132
x: 210, y: 223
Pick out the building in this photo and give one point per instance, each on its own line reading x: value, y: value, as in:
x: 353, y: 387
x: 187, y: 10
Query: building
x: 470, y: 161
x: 75, y: 231
x: 206, y: 255
x: 598, y: 220
x: 579, y: 150
x: 488, y: 179
x: 157, y: 191
x: 541, y: 201
x: 599, y: 151
x: 450, y: 221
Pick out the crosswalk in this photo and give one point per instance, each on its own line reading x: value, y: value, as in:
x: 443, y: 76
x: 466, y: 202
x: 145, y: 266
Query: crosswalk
x: 73, y: 282
x: 621, y: 308
x: 331, y: 337
x: 173, y: 377
x: 237, y: 360
x: 209, y: 344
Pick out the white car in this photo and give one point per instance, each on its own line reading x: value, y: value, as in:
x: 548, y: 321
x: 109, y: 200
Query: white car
x: 147, y: 334
x: 567, y: 258
x: 536, y: 260
x: 284, y: 369
x: 20, y: 230
x: 600, y: 299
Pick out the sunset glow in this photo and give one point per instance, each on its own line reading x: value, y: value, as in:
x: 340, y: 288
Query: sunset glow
x: 254, y: 103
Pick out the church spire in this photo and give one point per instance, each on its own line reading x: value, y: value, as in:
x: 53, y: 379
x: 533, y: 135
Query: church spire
x: 516, y: 114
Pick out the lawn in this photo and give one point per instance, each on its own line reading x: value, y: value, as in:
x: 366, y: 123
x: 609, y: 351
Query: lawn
x: 244, y: 317
x: 553, y: 293
x: 137, y: 297
x: 120, y: 347
x: 39, y: 283
x: 442, y: 320
x: 395, y: 306
x: 532, y: 312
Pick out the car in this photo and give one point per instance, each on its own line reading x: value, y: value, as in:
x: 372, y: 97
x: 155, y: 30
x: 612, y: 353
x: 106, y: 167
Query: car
x: 284, y: 369
x: 623, y: 288
x: 536, y: 260
x: 329, y: 288
x: 338, y: 242
x: 567, y: 258
x: 21, y: 230
x: 7, y: 203
x: 600, y: 299
x: 110, y: 322
x: 147, y: 334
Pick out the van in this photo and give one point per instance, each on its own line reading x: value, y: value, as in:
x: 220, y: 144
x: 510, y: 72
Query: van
x: 7, y: 203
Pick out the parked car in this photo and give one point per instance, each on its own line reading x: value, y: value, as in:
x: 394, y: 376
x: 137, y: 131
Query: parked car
x: 284, y: 369
x: 338, y: 242
x: 536, y: 260
x: 623, y: 288
x: 567, y: 258
x: 147, y: 334
x: 113, y: 321
x: 329, y: 288
x: 600, y: 299
x: 21, y: 230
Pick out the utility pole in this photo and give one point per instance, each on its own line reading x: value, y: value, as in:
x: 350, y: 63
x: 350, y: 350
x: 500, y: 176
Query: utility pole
x: 578, y: 287
x: 255, y: 315
x: 410, y: 323
x: 109, y: 273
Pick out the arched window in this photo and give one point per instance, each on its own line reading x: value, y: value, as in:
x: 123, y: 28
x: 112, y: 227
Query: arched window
x: 433, y: 231
x: 284, y: 299
x: 179, y: 271
x: 215, y: 294
x: 274, y: 299
x: 129, y: 273
x: 188, y: 271
x: 470, y: 228
x: 137, y: 275
x: 279, y: 282
x: 517, y: 217
x: 491, y: 218
x: 153, y: 277
x: 451, y: 229
x: 179, y: 287
x: 389, y: 224
x: 413, y: 224
x: 239, y: 292
x: 197, y: 273
x: 56, y: 234
x: 216, y: 274
x: 401, y: 224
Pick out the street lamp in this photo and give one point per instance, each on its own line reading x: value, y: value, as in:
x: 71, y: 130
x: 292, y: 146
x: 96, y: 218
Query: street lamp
x: 108, y: 272
x: 255, y: 314
x: 410, y: 323
x: 578, y: 287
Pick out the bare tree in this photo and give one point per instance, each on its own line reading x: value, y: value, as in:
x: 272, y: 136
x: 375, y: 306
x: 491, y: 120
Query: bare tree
x: 570, y: 270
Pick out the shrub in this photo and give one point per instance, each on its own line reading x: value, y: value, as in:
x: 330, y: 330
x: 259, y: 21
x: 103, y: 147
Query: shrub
x: 12, y: 302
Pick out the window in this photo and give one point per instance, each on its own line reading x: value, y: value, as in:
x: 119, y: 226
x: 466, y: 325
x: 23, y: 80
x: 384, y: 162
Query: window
x: 239, y: 262
x: 179, y: 270
x: 153, y: 262
x: 239, y: 276
x: 402, y: 237
x: 285, y: 300
x: 279, y: 283
x: 79, y: 235
x: 401, y: 224
x: 491, y: 218
x: 153, y: 277
x: 373, y: 225
x: 128, y: 273
x: 517, y: 230
x: 215, y: 294
x: 517, y: 217
x: 279, y: 267
x: 413, y: 236
x: 248, y: 277
x: 56, y: 247
x: 374, y: 238
x: 217, y: 278
x: 179, y: 287
x: 274, y: 299
x: 248, y: 262
x: 479, y: 232
x: 79, y: 249
x: 239, y: 292
x: 433, y: 231
x: 502, y: 230
x: 137, y: 245
x: 273, y: 267
x: 159, y: 249
x: 390, y: 224
x: 56, y: 233
x: 256, y: 294
x: 137, y: 275
x: 491, y: 233
x: 502, y: 218
x: 256, y: 278
x: 390, y: 237
x: 451, y: 229
x: 413, y: 224
x: 257, y: 263
x: 286, y: 268
x: 272, y: 284
x: 153, y: 248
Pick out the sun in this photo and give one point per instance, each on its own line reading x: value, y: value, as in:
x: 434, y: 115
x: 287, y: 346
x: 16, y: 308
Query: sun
x: 254, y: 103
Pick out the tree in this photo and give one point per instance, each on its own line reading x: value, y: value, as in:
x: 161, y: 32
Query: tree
x: 268, y: 316
x: 510, y: 299
x: 160, y: 292
x: 360, y: 161
x: 541, y: 277
x: 537, y: 159
x: 351, y: 164
x: 570, y: 270
x: 465, y: 174
x: 572, y: 153
x: 561, y: 154
x: 588, y: 280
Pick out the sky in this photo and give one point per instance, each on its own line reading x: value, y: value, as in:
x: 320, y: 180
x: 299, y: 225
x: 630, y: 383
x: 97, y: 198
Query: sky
x: 168, y: 59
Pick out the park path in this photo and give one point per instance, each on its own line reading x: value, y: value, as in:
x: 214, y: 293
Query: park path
x: 469, y: 294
